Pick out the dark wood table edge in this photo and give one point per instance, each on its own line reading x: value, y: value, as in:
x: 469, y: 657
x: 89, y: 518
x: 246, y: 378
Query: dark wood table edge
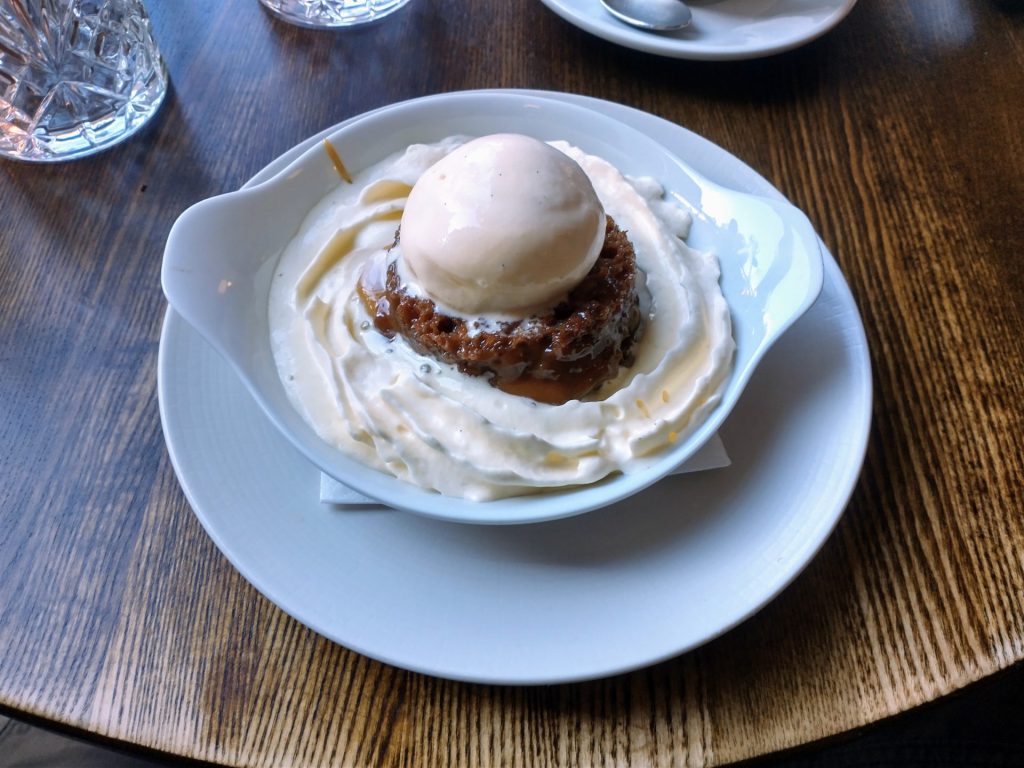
x: 959, y: 697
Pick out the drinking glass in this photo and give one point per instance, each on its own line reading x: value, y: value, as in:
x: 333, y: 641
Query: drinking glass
x: 332, y: 13
x: 76, y: 76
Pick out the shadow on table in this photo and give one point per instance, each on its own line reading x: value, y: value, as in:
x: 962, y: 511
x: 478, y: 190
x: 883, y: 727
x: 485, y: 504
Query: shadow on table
x: 1011, y: 8
x: 979, y: 726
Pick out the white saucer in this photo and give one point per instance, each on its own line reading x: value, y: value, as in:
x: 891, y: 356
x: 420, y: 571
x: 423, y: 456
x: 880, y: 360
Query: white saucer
x: 579, y: 598
x: 721, y: 29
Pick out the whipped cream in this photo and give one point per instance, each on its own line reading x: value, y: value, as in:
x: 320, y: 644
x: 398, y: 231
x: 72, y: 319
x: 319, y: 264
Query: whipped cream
x: 380, y: 402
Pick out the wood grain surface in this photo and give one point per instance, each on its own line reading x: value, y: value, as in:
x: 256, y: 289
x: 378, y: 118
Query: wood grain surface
x: 899, y: 133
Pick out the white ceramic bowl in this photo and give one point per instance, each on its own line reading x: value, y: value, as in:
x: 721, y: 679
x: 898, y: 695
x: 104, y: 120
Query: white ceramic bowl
x: 221, y: 254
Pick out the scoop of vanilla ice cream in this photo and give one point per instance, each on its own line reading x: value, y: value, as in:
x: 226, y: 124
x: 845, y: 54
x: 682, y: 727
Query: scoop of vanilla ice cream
x: 505, y: 224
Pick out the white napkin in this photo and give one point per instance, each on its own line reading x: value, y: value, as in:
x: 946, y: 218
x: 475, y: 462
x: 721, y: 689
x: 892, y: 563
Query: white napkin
x: 711, y: 455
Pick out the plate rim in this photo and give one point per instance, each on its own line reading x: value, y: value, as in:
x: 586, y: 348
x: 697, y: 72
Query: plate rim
x: 810, y: 546
x: 615, y: 32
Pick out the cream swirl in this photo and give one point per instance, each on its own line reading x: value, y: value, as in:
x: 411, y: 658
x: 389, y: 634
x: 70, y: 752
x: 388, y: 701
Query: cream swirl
x: 380, y: 402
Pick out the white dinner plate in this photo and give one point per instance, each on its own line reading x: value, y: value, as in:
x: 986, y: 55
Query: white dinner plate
x: 720, y: 30
x: 609, y: 591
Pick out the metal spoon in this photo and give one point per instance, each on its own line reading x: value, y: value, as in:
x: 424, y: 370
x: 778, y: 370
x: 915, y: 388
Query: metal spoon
x: 658, y: 15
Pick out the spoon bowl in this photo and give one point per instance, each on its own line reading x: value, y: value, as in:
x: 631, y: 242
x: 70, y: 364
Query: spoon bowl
x: 653, y: 15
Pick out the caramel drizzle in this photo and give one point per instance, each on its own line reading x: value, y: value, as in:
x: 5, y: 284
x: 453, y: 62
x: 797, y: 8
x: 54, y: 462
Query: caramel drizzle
x: 339, y: 166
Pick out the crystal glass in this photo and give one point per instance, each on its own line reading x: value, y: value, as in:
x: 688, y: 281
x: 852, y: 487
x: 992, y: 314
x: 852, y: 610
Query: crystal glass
x: 76, y: 76
x: 332, y: 13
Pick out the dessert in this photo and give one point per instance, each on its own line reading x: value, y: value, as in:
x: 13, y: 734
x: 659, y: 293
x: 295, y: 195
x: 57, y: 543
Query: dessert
x: 510, y: 270
x: 423, y: 356
x: 561, y: 352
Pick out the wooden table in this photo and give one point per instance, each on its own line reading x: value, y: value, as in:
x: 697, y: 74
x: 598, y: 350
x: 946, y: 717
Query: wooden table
x: 899, y: 133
